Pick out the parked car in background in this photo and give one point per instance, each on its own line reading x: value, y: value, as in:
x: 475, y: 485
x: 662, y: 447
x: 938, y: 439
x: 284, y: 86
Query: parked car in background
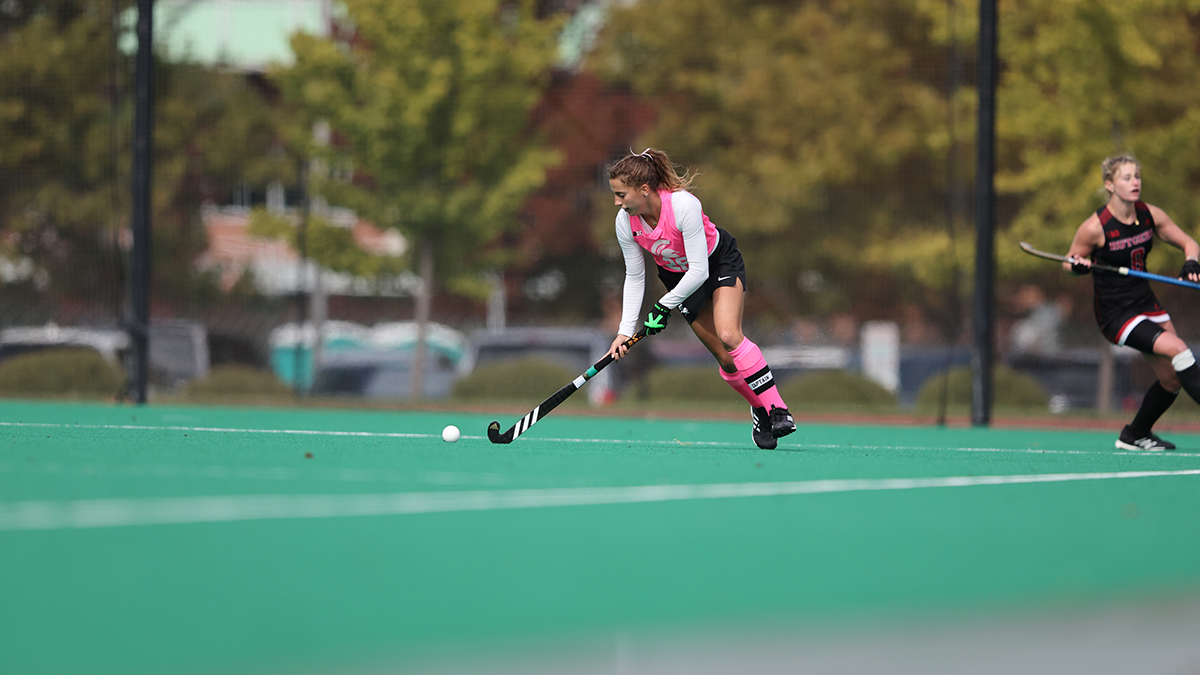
x: 343, y: 343
x: 386, y: 375
x: 1073, y: 377
x: 178, y: 352
x: 178, y: 348
x: 108, y: 342
x: 574, y: 348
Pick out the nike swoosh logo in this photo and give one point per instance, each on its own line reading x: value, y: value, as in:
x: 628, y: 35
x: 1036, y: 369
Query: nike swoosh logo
x: 723, y: 278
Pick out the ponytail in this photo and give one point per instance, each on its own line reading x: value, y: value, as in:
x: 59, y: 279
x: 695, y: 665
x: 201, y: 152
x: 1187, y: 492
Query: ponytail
x: 650, y: 167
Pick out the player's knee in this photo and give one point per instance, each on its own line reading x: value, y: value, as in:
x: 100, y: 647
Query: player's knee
x: 1169, y: 345
x: 731, y: 338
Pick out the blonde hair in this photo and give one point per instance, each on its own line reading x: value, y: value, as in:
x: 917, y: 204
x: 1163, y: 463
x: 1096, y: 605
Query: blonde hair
x: 1108, y: 168
x: 649, y: 167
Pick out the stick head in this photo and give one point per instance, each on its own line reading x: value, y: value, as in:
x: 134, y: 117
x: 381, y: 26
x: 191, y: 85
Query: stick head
x: 495, y: 436
x: 1042, y: 254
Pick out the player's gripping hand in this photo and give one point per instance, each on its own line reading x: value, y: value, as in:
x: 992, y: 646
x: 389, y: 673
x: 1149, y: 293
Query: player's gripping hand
x: 1080, y: 268
x: 618, y: 349
x: 1190, y: 271
x: 656, y: 320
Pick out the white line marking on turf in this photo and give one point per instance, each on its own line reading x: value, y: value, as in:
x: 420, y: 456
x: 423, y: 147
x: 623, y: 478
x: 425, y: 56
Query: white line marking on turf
x: 260, y: 473
x: 50, y: 515
x: 301, y: 432
x: 1103, y: 451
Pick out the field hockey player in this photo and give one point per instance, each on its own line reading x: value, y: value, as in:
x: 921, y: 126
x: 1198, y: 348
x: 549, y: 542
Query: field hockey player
x: 1121, y: 234
x: 705, y: 276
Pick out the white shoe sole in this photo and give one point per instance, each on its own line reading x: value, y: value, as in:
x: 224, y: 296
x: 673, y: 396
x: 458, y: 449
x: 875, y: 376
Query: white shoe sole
x: 1129, y: 446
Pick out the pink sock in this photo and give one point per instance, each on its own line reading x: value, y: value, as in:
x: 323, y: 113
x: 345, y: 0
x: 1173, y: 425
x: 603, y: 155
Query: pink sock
x: 753, y: 369
x: 739, y: 385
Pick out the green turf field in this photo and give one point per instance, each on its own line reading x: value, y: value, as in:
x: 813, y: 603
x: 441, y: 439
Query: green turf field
x: 207, y: 540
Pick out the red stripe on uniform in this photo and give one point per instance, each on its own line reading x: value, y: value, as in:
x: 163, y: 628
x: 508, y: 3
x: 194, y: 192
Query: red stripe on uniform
x: 1159, y: 316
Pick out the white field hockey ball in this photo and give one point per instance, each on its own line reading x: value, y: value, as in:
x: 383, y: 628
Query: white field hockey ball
x: 450, y: 434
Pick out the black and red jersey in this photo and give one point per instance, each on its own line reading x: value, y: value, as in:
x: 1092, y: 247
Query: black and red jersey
x: 1125, y: 245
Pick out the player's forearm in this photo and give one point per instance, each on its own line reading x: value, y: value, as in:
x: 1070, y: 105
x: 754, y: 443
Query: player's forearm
x: 631, y: 302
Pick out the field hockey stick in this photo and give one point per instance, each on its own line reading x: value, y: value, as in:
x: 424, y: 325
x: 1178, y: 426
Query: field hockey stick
x: 1108, y: 268
x: 559, y: 396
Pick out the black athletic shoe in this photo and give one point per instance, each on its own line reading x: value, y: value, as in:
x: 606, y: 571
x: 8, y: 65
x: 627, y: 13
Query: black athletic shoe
x: 1149, y: 443
x: 762, y: 435
x: 782, y: 423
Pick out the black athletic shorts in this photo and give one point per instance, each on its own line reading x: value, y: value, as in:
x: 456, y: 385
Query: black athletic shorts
x: 1135, y: 326
x: 1142, y: 336
x: 725, y: 267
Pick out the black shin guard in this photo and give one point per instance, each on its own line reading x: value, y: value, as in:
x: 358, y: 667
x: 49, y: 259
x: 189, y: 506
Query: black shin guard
x: 1190, y: 379
x: 1155, y: 403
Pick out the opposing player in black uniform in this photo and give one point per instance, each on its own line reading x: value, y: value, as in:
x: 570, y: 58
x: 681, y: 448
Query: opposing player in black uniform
x: 1121, y: 234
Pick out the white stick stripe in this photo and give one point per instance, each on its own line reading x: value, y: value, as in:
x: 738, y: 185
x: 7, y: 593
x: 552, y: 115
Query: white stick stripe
x: 49, y: 515
x: 528, y: 420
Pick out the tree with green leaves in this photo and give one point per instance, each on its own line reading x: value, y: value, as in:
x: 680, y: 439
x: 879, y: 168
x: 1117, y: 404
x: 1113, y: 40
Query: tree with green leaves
x: 819, y: 128
x: 65, y: 121
x: 1083, y: 81
x: 834, y: 135
x: 58, y: 160
x: 428, y: 101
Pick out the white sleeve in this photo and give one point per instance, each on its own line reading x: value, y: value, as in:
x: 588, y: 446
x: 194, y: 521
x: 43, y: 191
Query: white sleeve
x: 689, y: 218
x: 635, y: 276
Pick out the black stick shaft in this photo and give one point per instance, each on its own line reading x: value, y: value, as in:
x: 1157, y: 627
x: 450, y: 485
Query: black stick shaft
x: 558, y: 397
